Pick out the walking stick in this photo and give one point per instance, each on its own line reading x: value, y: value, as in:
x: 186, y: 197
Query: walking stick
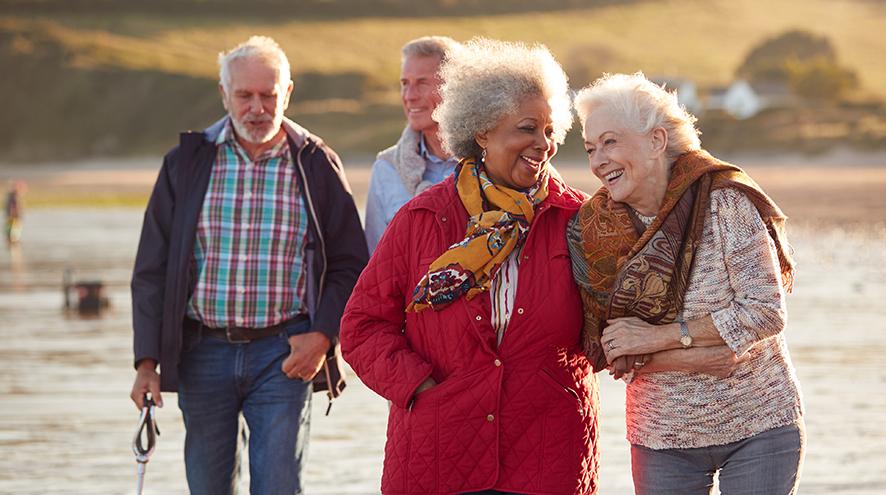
x: 147, y: 427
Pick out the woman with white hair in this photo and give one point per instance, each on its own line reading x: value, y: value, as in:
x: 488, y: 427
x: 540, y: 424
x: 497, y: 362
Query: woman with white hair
x: 682, y: 257
x: 467, y: 318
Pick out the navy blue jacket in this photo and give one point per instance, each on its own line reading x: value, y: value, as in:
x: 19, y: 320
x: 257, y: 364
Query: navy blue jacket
x: 161, y: 282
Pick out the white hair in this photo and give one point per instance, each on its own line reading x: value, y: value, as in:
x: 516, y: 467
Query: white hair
x: 429, y: 46
x: 484, y: 79
x: 643, y: 106
x: 262, y: 47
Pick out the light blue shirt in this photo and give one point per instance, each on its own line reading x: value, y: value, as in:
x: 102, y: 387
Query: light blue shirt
x: 387, y: 194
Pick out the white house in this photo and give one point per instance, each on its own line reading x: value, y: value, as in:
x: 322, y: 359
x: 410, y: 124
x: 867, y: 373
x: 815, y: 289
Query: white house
x: 738, y: 99
x: 743, y: 100
x: 687, y: 92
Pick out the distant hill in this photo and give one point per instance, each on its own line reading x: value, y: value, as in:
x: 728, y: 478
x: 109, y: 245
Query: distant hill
x: 337, y: 9
x: 88, y: 77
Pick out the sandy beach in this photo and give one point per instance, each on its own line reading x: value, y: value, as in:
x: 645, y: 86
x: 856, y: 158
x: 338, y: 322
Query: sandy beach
x: 66, y: 422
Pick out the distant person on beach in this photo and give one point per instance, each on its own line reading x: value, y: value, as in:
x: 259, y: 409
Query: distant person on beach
x: 467, y: 318
x: 418, y: 160
x: 13, y: 211
x: 250, y: 247
x: 684, y: 264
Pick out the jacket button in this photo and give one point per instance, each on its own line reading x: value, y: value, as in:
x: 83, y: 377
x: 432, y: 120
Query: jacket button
x: 519, y: 311
x: 490, y: 418
x: 497, y: 362
x: 479, y: 317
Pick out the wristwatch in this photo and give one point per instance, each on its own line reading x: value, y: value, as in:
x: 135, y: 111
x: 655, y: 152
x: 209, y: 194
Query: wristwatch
x: 685, y: 338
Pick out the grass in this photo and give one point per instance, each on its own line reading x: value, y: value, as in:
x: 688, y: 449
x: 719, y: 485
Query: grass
x: 92, y: 200
x: 149, y: 75
x: 703, y: 40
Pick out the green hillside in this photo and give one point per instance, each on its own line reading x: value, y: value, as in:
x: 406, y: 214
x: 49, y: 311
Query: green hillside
x: 94, y: 80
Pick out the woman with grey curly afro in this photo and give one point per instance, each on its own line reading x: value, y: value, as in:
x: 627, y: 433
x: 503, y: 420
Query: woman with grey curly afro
x: 467, y: 318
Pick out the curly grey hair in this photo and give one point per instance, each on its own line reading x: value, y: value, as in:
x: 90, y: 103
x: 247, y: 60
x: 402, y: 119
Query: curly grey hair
x: 643, y: 106
x: 262, y: 47
x: 485, y: 79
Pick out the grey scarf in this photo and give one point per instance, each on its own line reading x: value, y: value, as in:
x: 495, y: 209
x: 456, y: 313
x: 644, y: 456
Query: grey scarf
x: 407, y: 161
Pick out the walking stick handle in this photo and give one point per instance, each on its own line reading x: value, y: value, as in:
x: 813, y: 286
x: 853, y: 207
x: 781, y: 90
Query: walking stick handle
x: 146, y: 430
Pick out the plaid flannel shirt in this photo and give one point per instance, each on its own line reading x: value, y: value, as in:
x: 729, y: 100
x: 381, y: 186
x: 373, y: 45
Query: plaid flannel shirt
x: 249, y: 250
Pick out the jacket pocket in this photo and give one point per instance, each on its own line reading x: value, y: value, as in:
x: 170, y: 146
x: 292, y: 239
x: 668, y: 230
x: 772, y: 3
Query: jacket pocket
x: 566, y: 390
x: 444, y: 439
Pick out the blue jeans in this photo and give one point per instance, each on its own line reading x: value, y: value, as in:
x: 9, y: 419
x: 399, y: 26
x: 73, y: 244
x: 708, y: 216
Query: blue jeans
x: 218, y: 381
x: 767, y: 463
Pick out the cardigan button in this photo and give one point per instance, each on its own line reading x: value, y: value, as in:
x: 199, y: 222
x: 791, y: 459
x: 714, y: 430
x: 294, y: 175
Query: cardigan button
x: 519, y: 311
x: 490, y: 418
x: 497, y: 362
x: 443, y: 219
x: 479, y: 317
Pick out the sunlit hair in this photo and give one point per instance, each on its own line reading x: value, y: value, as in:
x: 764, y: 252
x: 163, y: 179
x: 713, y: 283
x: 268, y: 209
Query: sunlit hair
x: 429, y: 46
x: 643, y: 106
x: 484, y: 80
x: 261, y: 47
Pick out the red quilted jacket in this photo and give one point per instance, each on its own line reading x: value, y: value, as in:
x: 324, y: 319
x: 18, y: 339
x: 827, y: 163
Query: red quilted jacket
x: 521, y: 417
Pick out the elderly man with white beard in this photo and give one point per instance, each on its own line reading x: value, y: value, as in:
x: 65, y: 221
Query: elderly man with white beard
x: 250, y: 247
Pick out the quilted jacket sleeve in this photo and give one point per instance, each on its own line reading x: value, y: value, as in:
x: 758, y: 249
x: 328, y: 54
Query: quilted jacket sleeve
x: 372, y: 329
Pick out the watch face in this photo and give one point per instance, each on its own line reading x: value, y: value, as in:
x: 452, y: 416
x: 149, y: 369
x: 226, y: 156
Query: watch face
x: 686, y: 340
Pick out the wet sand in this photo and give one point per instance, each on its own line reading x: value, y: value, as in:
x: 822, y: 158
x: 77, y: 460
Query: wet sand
x: 66, y: 422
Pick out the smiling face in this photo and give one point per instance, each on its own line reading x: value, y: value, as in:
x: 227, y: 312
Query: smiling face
x: 631, y: 165
x: 420, y: 91
x: 520, y: 146
x: 255, y: 99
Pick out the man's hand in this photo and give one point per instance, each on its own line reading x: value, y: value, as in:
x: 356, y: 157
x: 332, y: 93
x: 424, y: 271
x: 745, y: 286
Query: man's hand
x: 308, y: 352
x: 147, y: 380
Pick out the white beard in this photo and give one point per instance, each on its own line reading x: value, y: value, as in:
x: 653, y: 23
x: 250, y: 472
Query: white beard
x: 257, y: 136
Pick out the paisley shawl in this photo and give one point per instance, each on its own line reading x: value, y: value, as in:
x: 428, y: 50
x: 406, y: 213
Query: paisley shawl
x: 627, y: 269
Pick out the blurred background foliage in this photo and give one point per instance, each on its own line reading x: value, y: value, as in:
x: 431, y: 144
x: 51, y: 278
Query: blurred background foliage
x: 84, y: 78
x: 807, y: 62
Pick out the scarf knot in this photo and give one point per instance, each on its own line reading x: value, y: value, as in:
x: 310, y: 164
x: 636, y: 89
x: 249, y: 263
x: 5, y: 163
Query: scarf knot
x: 499, y: 223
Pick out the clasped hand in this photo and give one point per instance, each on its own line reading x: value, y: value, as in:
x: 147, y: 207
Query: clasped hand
x: 628, y: 336
x: 306, y: 357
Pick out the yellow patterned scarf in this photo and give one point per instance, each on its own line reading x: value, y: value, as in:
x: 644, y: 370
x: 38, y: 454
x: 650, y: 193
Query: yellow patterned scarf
x: 499, y: 223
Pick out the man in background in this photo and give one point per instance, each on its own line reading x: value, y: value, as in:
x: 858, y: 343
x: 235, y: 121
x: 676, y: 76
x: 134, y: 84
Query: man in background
x: 417, y: 161
x: 250, y: 247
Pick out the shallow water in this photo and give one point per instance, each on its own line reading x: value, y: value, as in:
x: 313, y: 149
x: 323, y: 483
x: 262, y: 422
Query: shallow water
x: 66, y: 422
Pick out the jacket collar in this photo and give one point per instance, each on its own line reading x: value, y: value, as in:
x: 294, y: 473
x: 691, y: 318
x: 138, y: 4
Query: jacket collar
x: 559, y: 195
x: 296, y: 133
